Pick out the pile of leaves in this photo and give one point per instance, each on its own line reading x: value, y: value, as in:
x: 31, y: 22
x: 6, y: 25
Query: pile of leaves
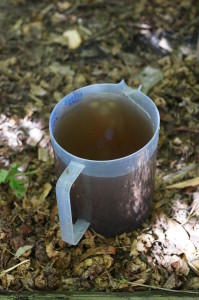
x: 50, y: 49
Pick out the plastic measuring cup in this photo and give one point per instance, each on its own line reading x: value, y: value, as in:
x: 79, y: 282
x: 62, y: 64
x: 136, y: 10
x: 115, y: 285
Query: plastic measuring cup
x: 111, y: 196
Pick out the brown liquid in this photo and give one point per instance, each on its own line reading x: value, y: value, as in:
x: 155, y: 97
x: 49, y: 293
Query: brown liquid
x: 103, y: 129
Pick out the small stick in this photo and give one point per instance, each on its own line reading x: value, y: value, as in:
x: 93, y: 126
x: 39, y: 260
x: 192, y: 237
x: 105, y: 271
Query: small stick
x: 193, y: 130
x: 14, y: 267
x: 159, y: 288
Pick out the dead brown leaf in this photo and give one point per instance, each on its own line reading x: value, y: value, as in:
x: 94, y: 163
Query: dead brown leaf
x: 170, y: 283
x: 50, y: 250
x: 193, y: 283
x: 111, y: 250
x: 41, y: 282
x: 73, y: 37
x: 194, y: 264
x: 46, y: 190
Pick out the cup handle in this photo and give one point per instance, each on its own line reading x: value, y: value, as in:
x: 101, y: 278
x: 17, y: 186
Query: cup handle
x: 71, y: 233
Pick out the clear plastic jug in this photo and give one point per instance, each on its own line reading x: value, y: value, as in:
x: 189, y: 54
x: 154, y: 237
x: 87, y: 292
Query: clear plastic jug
x: 111, y: 196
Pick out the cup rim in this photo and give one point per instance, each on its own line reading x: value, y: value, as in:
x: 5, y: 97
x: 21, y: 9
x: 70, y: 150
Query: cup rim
x: 120, y: 159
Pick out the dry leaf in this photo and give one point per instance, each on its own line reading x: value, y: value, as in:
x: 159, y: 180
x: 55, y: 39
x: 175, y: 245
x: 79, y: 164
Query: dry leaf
x: 195, y: 202
x: 40, y: 282
x: 61, y: 69
x: 149, y: 77
x: 58, y: 39
x: 64, y: 5
x: 64, y: 260
x: 184, y: 184
x: 37, y: 90
x: 193, y: 283
x: 194, y: 237
x: 134, y: 249
x: 39, y: 201
x: 46, y: 190
x: 170, y: 283
x: 55, y: 71
x: 73, y: 37
x: 99, y: 250
x: 50, y: 250
x: 178, y: 175
x: 34, y: 136
x: 108, y: 261
x: 194, y: 264
x: 10, y: 279
x: 148, y: 239
x: 23, y: 250
x: 178, y: 236
x: 140, y: 246
x: 43, y: 154
x: 24, y: 267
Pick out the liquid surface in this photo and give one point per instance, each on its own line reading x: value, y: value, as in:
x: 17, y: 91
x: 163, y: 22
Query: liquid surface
x: 103, y: 129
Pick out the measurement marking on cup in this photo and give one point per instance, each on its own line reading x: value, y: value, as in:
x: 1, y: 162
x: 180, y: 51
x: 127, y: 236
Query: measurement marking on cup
x: 73, y: 98
x: 54, y: 118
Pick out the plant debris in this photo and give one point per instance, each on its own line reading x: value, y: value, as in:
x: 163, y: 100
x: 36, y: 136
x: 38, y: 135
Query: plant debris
x: 49, y: 50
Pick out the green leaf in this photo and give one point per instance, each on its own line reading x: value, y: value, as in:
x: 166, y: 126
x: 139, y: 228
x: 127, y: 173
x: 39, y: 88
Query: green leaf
x: 9, y: 176
x: 13, y: 170
x: 22, y: 250
x: 17, y: 187
x: 3, y: 175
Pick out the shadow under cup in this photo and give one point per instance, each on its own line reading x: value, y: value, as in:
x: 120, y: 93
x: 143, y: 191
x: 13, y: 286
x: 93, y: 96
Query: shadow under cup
x: 112, y: 196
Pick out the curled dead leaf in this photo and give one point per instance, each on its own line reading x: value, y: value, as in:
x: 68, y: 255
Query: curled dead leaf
x: 79, y: 268
x: 108, y: 261
x: 134, y: 249
x: 105, y: 262
x: 99, y: 250
x: 64, y: 260
x: 101, y: 282
x: 73, y: 37
x: 50, y: 250
x: 46, y: 190
x: 40, y: 282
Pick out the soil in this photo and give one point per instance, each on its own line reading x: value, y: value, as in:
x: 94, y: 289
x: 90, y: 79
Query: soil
x: 50, y: 48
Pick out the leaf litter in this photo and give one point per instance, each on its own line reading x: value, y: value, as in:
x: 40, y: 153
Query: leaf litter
x: 48, y: 51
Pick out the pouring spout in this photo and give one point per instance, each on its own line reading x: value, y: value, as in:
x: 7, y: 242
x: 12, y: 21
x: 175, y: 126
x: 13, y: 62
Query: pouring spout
x: 128, y: 90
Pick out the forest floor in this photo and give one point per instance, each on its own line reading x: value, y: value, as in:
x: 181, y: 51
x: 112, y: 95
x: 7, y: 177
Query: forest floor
x: 50, y: 48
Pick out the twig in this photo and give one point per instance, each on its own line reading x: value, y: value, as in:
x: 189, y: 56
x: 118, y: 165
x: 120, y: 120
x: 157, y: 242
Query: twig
x: 14, y: 267
x: 3, y: 246
x: 197, y: 51
x: 192, y: 213
x: 159, y: 288
x: 184, y: 29
x: 192, y: 130
x: 72, y: 9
